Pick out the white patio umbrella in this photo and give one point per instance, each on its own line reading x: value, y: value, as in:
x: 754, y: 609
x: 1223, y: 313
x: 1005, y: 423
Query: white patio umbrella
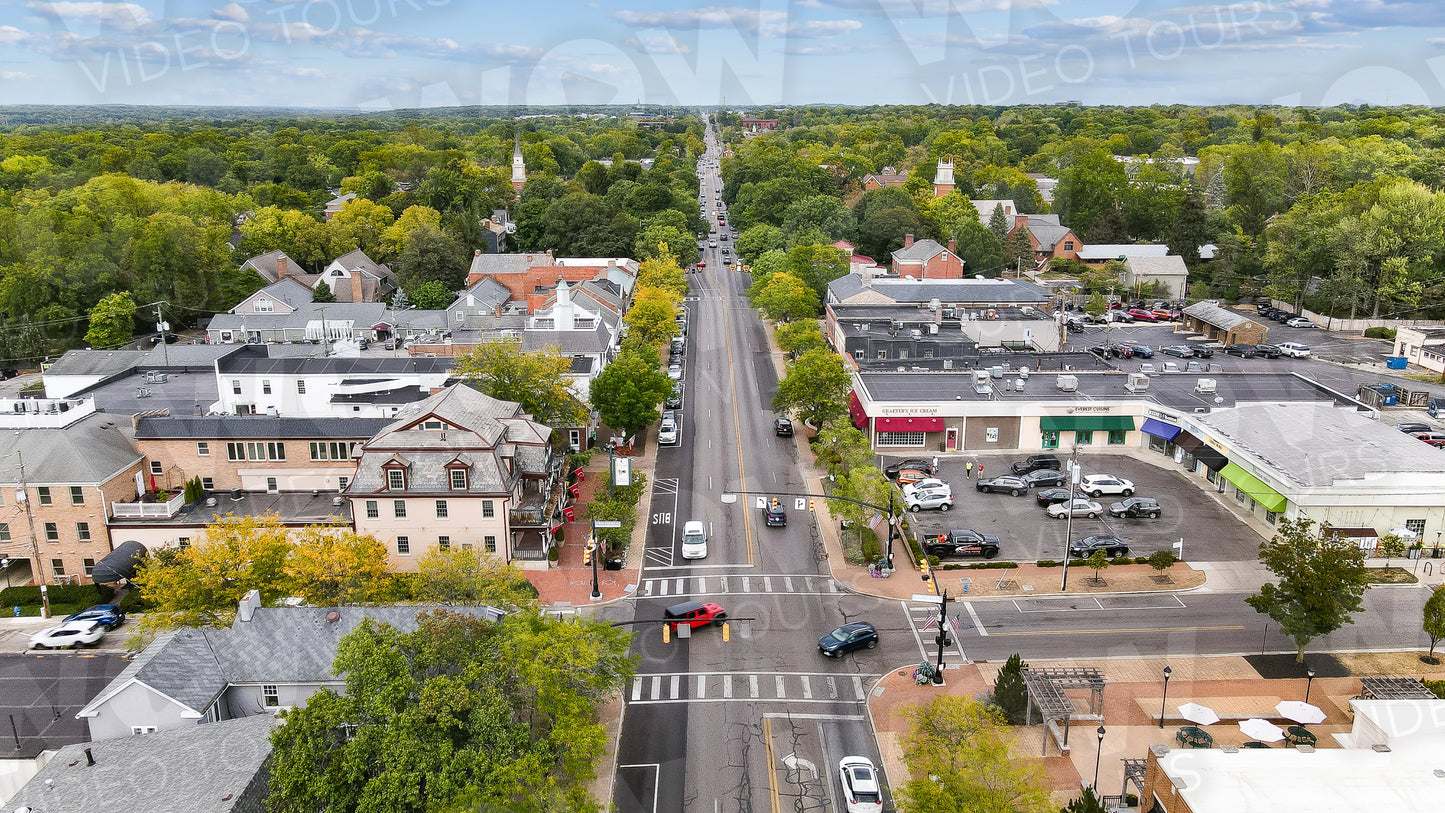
x: 1197, y: 714
x: 1262, y: 730
x: 1301, y: 712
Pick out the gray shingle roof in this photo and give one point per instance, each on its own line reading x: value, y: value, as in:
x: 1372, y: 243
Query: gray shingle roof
x: 1221, y: 318
x: 362, y: 315
x: 358, y: 259
x: 1171, y: 265
x: 504, y: 263
x: 485, y: 291
x: 1047, y: 229
x: 1113, y: 251
x: 961, y: 292
x: 290, y: 291
x: 202, y: 356
x: 185, y: 670
x: 569, y: 342
x: 88, y: 452
x: 257, y: 426
x: 921, y: 251
x: 198, y: 769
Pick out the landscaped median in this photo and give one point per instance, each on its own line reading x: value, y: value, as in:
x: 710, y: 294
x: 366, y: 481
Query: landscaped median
x: 1032, y: 579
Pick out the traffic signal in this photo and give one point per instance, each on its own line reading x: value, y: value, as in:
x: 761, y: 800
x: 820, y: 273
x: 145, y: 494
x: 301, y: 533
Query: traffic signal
x: 727, y: 631
x: 587, y: 553
x: 812, y: 504
x: 666, y: 633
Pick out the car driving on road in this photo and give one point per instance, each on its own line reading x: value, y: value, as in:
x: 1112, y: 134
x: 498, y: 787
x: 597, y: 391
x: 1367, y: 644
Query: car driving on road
x: 847, y: 638
x: 694, y: 540
x: 861, y: 793
x: 69, y: 635
x: 1097, y: 485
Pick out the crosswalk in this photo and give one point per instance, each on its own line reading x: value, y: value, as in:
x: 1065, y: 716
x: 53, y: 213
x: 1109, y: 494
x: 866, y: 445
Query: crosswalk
x: 730, y: 687
x: 735, y: 584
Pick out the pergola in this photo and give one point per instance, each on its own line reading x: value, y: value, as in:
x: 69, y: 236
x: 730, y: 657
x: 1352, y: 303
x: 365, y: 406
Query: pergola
x: 1394, y: 687
x: 1046, y: 690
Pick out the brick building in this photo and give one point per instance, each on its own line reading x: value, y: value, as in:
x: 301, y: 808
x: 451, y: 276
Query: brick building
x: 926, y: 259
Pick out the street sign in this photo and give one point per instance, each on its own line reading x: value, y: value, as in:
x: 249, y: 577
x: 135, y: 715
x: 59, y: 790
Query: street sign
x: 621, y: 472
x: 761, y: 502
x: 800, y: 504
x: 927, y: 598
x: 607, y: 523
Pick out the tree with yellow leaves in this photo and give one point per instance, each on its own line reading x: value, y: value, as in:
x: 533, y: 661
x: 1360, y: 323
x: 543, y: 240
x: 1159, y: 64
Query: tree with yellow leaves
x: 335, y: 566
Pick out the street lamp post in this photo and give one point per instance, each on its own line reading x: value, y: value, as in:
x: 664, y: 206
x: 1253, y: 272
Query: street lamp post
x: 942, y: 638
x: 1309, y: 681
x: 1097, y: 755
x: 1074, y: 476
x: 1163, y: 704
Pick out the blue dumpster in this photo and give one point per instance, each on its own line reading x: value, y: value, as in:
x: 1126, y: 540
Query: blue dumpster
x: 1395, y: 362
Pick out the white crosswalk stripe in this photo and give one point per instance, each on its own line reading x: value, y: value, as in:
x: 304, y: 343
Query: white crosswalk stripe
x: 739, y: 585
x: 716, y: 687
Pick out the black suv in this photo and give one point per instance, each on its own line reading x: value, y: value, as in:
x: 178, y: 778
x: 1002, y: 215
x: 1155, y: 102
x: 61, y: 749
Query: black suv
x: 783, y: 428
x: 1034, y: 462
x: 1203, y: 351
x: 1269, y: 351
x: 1245, y: 351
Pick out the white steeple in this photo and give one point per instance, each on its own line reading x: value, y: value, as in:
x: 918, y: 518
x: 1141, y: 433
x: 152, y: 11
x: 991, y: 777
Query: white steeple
x: 519, y: 167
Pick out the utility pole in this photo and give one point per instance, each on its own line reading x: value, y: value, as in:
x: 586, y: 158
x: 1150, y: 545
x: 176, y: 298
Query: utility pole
x: 164, y: 329
x: 1075, y: 474
x: 24, y: 498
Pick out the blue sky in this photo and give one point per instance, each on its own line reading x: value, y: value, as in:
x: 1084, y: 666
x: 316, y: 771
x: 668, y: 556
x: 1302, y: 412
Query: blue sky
x: 383, y: 54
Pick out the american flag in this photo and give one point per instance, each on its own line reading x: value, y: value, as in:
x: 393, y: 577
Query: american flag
x: 932, y: 619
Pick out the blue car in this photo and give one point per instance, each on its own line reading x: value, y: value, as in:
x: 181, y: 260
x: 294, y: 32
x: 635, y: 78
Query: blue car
x: 110, y: 616
x: 858, y: 635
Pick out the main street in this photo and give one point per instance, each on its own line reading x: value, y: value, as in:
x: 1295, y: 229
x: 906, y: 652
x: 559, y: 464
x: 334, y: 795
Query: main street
x: 758, y: 722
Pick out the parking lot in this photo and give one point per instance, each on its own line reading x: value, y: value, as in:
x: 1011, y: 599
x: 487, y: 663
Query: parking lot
x: 1027, y: 533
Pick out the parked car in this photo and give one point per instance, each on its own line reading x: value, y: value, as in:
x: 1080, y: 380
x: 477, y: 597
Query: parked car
x: 1088, y: 508
x: 1299, y: 321
x: 170, y: 338
x: 1294, y: 350
x: 1202, y: 351
x: 1111, y: 545
x: 1244, y: 351
x: 1137, y: 507
x: 694, y: 540
x: 1050, y: 496
x: 1142, y: 350
x: 1147, y: 367
x: 1142, y: 315
x: 845, y: 639
x: 1100, y: 351
x: 667, y: 431
x: 1097, y: 485
x: 910, y: 476
x: 940, y: 498
x: 1164, y: 314
x: 674, y: 371
x: 109, y: 615
x: 694, y: 614
x: 1412, y: 428
x: 1283, y: 317
x: 1008, y: 482
x: 675, y: 399
x: 1119, y: 316
x: 1436, y: 439
x: 773, y: 515
x: 68, y: 635
x: 783, y: 427
x: 923, y: 485
x: 1035, y: 462
x: 1044, y: 478
x: 1122, y: 351
x: 1178, y: 350
x: 1269, y: 351
x: 861, y: 792
x: 891, y: 472
x: 961, y: 542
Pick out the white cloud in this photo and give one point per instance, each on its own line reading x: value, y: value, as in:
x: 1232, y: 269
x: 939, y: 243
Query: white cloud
x: 233, y: 12
x: 122, y: 16
x: 763, y: 23
x: 657, y: 44
x: 307, y: 73
x: 10, y: 35
x: 13, y: 76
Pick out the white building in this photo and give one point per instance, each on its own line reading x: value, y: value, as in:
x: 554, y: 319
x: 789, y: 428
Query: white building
x: 251, y: 382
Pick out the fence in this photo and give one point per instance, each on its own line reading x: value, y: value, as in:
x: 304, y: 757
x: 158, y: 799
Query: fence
x: 1353, y: 325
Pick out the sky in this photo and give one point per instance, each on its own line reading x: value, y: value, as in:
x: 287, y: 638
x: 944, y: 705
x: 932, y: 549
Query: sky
x: 388, y: 54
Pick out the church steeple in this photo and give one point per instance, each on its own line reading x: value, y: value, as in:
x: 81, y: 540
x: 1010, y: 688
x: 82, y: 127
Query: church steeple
x: 519, y: 166
x: 943, y: 179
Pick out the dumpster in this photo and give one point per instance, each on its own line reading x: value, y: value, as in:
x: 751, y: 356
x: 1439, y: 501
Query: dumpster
x: 1395, y: 362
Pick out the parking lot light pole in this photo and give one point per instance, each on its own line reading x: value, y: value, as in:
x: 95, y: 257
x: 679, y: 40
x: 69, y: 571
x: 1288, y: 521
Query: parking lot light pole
x: 1075, y: 474
x: 1309, y: 681
x: 1163, y: 704
x: 1097, y: 755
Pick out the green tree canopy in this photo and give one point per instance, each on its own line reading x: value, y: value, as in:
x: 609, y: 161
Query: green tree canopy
x: 626, y: 394
x: 783, y: 297
x: 112, y: 321
x: 815, y: 387
x: 539, y: 381
x: 959, y: 760
x: 1322, y: 582
x: 431, y: 295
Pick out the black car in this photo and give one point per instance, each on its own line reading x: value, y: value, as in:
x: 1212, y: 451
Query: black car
x: 774, y: 515
x: 1101, y: 352
x: 1044, y: 478
x: 1244, y: 351
x: 1414, y: 427
x: 1110, y: 545
x: 922, y: 465
x: 1137, y: 507
x: 1142, y: 350
x: 783, y: 428
x: 170, y: 338
x: 1034, y: 462
x: 1282, y: 316
x: 1269, y: 351
x: 1050, y: 496
x: 1008, y: 482
x: 858, y: 635
x: 1202, y: 351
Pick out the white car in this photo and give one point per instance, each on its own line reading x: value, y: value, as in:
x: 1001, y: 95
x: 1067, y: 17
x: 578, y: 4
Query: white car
x: 1097, y: 485
x: 861, y: 793
x: 927, y: 484
x: 1077, y: 508
x: 1294, y: 350
x: 712, y: 244
x: 667, y: 432
x: 694, y: 540
x: 86, y: 632
x: 940, y: 498
x: 674, y: 371
x: 1300, y: 321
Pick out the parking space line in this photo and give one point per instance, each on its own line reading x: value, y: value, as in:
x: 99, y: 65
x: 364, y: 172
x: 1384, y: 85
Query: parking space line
x: 727, y: 681
x: 788, y: 583
x: 702, y: 685
x: 778, y: 685
x: 675, y: 685
x: 637, y: 688
x: 656, y: 686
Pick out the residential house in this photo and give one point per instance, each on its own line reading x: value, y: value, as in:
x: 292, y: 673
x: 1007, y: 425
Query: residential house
x: 65, y: 468
x: 479, y: 306
x: 885, y: 177
x: 333, y: 206
x: 284, y: 296
x: 270, y: 659
x: 254, y: 382
x: 1049, y: 237
x: 218, y: 768
x: 309, y: 322
x: 1168, y: 271
x: 986, y: 209
x: 459, y: 468
x: 1103, y: 253
x: 1045, y: 185
x: 926, y: 259
x: 274, y: 266
x: 860, y: 289
x: 1222, y: 325
x: 355, y: 277
x: 943, y: 178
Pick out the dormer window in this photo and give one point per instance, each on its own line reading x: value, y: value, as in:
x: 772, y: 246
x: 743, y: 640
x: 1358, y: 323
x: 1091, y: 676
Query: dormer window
x: 396, y: 478
x: 434, y: 425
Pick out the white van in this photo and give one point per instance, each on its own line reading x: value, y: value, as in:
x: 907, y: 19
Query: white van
x: 694, y: 540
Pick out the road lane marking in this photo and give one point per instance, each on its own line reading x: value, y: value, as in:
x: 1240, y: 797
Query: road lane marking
x: 779, y: 687
x: 637, y: 688
x: 788, y: 583
x: 702, y: 685
x: 767, y: 584
x: 807, y: 687
x: 656, y: 686
x: 727, y: 684
x: 1103, y: 632
x: 858, y: 685
x: 752, y: 685
x: 772, y: 774
x: 977, y: 624
x: 832, y: 688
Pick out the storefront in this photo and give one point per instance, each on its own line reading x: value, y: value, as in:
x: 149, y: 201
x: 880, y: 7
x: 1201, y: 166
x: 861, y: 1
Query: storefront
x: 1248, y: 490
x: 1085, y: 430
x: 1161, y: 433
x: 906, y: 432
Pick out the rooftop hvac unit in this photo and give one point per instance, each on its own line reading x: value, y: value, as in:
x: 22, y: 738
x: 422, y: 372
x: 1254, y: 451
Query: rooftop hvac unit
x: 1204, y: 385
x: 336, y: 501
x: 1138, y: 382
x: 996, y: 371
x: 1019, y: 384
x: 982, y: 384
x: 933, y: 329
x: 1067, y: 383
x: 896, y: 324
x: 915, y: 334
x: 948, y: 364
x: 934, y: 304
x: 1024, y: 373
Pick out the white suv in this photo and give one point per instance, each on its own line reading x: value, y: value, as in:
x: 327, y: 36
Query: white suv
x: 1097, y: 485
x: 694, y: 540
x: 1293, y: 349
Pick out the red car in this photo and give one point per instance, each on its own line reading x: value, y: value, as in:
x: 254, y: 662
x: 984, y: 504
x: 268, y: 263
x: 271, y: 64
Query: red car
x: 702, y: 263
x: 1142, y: 315
x: 1164, y: 316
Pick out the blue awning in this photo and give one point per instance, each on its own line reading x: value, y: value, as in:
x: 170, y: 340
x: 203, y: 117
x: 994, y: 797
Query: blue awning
x: 1160, y: 429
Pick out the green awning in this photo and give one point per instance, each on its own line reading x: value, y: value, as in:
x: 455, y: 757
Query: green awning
x: 1264, y: 495
x: 1087, y: 423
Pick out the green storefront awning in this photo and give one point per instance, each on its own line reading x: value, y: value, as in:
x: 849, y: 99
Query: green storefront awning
x: 1086, y: 423
x: 1264, y: 495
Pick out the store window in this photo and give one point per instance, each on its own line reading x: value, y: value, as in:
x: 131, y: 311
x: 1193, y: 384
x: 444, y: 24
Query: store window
x: 1051, y: 440
x: 900, y: 439
x: 1083, y: 437
x: 1116, y: 437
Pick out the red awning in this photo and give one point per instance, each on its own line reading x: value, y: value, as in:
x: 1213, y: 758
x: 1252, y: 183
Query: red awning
x: 856, y: 412
x: 908, y: 424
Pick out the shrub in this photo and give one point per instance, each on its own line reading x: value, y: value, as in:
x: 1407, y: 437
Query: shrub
x: 872, y: 549
x: 1436, y: 686
x: 81, y: 594
x: 1380, y: 333
x: 1048, y: 563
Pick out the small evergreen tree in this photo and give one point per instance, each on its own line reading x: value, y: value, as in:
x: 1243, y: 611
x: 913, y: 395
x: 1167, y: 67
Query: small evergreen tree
x: 322, y: 293
x: 1088, y: 803
x: 1162, y: 560
x: 1009, y: 691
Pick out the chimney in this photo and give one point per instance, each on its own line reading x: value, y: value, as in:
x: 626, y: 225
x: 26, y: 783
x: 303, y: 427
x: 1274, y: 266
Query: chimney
x: 951, y: 249
x: 478, y: 253
x: 908, y: 240
x: 356, y: 292
x: 248, y: 606
x: 1021, y: 220
x: 281, y: 267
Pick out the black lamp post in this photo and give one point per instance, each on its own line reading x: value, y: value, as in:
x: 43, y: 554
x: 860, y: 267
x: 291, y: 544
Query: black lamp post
x: 596, y: 553
x: 1309, y: 680
x: 1097, y: 755
x: 942, y: 638
x: 1165, y: 702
